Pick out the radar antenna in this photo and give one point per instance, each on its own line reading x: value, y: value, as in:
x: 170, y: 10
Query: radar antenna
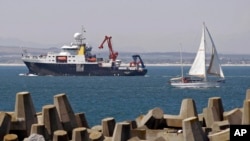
x: 83, y: 29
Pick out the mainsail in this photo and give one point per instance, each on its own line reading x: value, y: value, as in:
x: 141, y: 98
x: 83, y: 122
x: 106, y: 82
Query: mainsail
x: 199, y: 65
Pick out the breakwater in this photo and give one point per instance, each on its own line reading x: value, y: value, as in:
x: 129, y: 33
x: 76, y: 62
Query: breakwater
x: 58, y: 122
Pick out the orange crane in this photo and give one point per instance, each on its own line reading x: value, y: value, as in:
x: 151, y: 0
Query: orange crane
x: 112, y: 55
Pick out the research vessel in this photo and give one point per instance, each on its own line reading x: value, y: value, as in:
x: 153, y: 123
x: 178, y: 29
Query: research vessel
x: 76, y: 59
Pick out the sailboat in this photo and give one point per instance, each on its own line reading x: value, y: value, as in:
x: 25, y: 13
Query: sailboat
x: 199, y: 75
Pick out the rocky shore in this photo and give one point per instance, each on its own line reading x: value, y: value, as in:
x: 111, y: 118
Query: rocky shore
x: 58, y: 122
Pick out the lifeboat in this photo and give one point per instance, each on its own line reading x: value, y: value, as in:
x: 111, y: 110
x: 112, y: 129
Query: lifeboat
x: 61, y: 58
x: 91, y: 59
x: 133, y: 64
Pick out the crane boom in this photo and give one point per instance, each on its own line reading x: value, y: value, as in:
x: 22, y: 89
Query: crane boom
x: 112, y: 55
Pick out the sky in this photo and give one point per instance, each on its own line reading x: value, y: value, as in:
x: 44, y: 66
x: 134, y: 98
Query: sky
x: 135, y: 25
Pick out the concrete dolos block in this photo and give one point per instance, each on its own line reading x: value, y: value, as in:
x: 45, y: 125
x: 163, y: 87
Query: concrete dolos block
x: 51, y: 119
x: 65, y: 112
x: 192, y: 130
x: 121, y: 132
x: 24, y: 112
x: 188, y: 109
x: 153, y: 118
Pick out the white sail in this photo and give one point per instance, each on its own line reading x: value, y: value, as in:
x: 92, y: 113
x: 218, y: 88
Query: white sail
x: 214, y: 66
x: 199, y: 65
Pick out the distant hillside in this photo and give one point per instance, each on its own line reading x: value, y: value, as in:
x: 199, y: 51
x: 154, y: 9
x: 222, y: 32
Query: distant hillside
x: 12, y: 55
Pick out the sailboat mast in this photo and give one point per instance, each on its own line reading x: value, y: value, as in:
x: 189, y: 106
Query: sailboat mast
x: 181, y: 61
x: 205, y: 46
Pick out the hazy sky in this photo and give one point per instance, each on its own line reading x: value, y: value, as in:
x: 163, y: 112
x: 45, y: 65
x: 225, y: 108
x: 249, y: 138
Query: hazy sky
x: 135, y: 25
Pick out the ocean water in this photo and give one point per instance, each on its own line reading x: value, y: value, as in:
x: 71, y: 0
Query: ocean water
x: 124, y: 98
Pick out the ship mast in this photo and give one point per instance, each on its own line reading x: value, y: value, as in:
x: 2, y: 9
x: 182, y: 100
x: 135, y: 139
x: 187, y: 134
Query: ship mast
x: 83, y: 31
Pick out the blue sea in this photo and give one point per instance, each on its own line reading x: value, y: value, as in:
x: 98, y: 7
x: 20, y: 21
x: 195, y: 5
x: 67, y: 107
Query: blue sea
x: 124, y: 98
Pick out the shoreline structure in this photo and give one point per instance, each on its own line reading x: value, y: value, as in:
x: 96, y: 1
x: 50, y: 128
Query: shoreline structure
x: 58, y: 122
x: 160, y: 65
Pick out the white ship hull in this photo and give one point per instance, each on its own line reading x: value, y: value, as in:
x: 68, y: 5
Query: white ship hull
x: 201, y: 84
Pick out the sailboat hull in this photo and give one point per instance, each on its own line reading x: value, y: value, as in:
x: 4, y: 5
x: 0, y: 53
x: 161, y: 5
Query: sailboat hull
x: 202, y: 84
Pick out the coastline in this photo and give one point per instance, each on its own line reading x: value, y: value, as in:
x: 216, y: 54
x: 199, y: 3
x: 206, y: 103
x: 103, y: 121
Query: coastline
x: 157, y: 65
x: 14, y: 65
x: 224, y: 65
